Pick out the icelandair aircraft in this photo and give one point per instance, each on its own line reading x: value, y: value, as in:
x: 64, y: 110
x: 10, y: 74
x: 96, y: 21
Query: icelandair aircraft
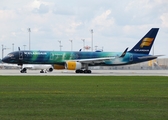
x: 80, y: 60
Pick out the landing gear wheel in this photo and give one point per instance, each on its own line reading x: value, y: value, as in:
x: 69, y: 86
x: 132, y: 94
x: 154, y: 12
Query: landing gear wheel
x: 87, y: 71
x: 79, y: 71
x: 42, y: 71
x: 83, y: 71
x: 24, y: 70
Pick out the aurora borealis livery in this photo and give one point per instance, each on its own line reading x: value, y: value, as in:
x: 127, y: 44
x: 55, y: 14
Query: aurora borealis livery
x: 80, y: 60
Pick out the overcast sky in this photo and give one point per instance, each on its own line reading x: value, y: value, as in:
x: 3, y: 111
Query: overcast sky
x: 116, y: 24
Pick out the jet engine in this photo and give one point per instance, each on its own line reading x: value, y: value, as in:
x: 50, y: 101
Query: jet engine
x: 50, y: 69
x: 71, y: 65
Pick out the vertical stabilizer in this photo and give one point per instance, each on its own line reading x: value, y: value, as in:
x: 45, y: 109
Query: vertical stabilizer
x: 145, y: 44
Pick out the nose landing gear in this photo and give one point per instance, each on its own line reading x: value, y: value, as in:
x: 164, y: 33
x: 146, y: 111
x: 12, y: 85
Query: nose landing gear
x: 24, y: 70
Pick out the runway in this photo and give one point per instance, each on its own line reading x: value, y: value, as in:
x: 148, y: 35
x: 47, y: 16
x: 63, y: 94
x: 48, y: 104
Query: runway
x: 16, y: 72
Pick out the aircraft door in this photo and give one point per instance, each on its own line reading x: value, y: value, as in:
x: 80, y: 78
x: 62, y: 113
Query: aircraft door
x: 131, y: 58
x: 20, y: 55
x: 51, y: 56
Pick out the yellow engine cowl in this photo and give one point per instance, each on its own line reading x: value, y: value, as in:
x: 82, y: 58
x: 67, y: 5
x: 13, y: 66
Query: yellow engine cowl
x: 71, y: 65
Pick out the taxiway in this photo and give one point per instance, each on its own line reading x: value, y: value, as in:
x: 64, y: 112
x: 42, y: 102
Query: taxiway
x: 16, y: 72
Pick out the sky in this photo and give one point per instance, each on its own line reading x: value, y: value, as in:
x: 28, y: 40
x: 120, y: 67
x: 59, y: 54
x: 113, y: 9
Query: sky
x: 116, y: 24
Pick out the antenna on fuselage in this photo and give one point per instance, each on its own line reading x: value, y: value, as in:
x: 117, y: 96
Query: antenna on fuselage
x: 19, y: 48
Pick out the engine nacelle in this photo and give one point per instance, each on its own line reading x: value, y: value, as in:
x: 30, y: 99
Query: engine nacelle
x: 71, y: 65
x: 50, y: 69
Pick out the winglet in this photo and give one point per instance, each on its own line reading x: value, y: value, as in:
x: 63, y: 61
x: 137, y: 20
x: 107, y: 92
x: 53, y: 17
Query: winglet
x: 123, y: 54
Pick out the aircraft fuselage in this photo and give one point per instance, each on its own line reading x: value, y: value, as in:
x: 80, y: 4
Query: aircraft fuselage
x: 60, y: 57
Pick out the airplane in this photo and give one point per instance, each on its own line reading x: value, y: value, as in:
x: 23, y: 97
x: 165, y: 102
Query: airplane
x: 81, y: 60
x: 44, y: 68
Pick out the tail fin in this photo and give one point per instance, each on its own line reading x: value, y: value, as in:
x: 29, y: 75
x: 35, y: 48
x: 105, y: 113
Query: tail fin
x: 145, y: 44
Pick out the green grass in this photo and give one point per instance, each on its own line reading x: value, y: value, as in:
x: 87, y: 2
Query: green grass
x: 83, y: 97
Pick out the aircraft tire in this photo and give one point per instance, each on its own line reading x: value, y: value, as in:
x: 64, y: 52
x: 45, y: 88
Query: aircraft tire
x: 81, y: 71
x: 77, y: 71
x: 42, y: 71
x: 24, y: 70
x: 87, y: 71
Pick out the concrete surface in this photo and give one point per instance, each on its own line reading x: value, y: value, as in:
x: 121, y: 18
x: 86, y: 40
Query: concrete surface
x: 16, y: 72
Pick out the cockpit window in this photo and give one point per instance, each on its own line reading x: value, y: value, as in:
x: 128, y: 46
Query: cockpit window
x: 10, y: 55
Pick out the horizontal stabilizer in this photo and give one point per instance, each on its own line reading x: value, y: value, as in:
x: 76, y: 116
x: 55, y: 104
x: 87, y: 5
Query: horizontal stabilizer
x: 150, y: 57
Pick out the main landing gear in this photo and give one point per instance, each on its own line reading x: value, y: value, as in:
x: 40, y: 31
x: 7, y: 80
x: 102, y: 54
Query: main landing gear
x: 24, y: 70
x: 83, y: 71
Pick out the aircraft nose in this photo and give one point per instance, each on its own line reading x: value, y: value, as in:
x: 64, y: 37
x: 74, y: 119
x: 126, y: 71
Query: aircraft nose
x: 5, y: 59
x: 9, y: 58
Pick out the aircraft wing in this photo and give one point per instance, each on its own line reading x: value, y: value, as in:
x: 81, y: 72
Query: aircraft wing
x: 152, y: 56
x: 93, y: 60
x: 9, y: 65
x: 37, y: 66
x: 28, y: 66
x: 99, y: 60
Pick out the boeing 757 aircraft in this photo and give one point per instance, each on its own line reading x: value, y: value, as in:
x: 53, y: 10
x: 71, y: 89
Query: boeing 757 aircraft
x: 80, y: 60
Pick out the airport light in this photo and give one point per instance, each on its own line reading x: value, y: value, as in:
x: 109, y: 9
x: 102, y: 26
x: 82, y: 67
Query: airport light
x: 60, y: 44
x: 83, y: 44
x: 71, y: 44
x: 2, y: 51
x: 96, y: 47
x: 29, y: 37
x: 92, y: 38
x: 12, y: 46
x: 3, y: 48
